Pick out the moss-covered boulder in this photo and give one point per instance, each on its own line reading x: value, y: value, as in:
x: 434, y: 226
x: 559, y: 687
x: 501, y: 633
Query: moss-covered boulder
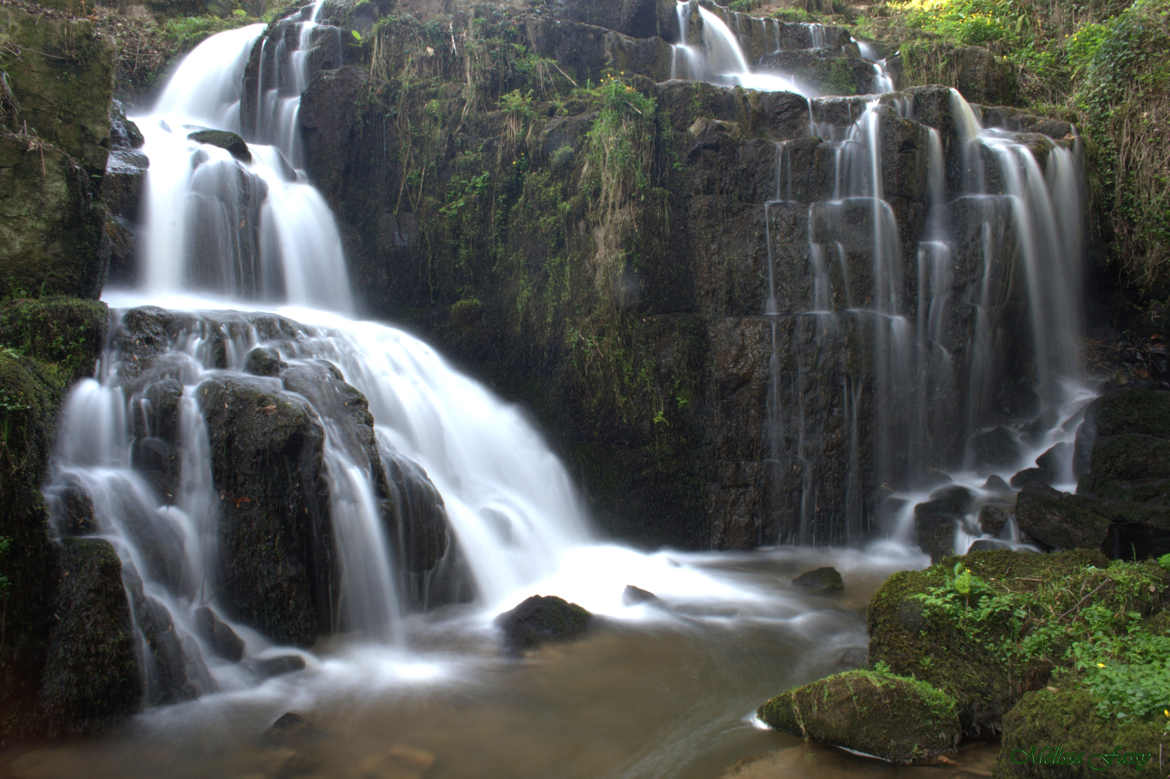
x: 931, y: 641
x: 895, y: 718
x: 1057, y: 733
x: 992, y: 625
x: 91, y: 677
x: 276, y: 570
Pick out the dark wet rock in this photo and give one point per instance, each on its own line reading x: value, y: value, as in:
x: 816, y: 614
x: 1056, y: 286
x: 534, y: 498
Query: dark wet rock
x: 174, y: 667
x: 851, y: 657
x: 291, y: 730
x: 72, y: 510
x: 897, y: 719
x: 154, y: 451
x: 995, y: 483
x: 267, y: 667
x: 632, y: 596
x: 1053, y: 461
x: 219, y: 636
x: 995, y: 448
x: 91, y: 678
x: 416, y: 515
x: 540, y: 619
x: 935, y: 520
x: 276, y: 570
x: 1031, y: 477
x: 992, y: 518
x: 1058, y: 520
x: 1129, y: 466
x: 229, y: 141
x: 820, y: 581
x: 264, y: 361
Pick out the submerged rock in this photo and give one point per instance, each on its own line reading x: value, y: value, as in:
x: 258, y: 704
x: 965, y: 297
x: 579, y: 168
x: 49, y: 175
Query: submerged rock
x: 632, y: 596
x: 895, y: 718
x: 820, y: 581
x: 291, y: 729
x: 542, y: 618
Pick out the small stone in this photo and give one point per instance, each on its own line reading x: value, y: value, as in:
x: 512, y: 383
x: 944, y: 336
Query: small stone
x: 820, y: 581
x: 632, y: 596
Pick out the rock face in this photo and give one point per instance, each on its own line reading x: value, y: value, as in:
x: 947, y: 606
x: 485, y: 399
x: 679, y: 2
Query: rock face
x: 540, y: 619
x: 276, y: 547
x: 53, y: 145
x: 897, y: 719
x: 92, y: 631
x: 631, y: 293
x: 1122, y: 504
x: 32, y: 384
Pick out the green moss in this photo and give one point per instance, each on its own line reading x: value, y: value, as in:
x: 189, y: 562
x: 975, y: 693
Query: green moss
x: 1055, y: 732
x: 1005, y: 621
x: 896, y: 718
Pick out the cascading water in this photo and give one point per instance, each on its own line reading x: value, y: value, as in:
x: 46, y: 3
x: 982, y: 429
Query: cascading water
x: 241, y: 222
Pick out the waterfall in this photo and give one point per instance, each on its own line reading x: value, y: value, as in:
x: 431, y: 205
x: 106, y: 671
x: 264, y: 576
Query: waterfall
x: 438, y: 492
x: 899, y: 351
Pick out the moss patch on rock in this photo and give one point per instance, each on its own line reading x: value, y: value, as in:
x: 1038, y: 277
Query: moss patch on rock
x: 896, y: 718
x: 993, y: 625
x: 1056, y: 732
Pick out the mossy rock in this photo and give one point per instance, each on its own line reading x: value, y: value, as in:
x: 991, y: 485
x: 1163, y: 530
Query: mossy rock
x: 930, y: 645
x: 92, y: 679
x: 1057, y: 733
x: 61, y: 73
x: 895, y: 718
x: 67, y: 332
x: 50, y: 223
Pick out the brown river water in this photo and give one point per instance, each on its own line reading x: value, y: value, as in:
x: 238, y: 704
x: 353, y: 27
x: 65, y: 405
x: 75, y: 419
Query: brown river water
x: 654, y: 692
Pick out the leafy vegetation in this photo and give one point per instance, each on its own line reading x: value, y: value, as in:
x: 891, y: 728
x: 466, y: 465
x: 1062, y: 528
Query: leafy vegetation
x: 1097, y: 627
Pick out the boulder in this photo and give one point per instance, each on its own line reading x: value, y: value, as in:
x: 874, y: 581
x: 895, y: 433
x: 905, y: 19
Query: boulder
x: 91, y: 678
x: 903, y: 630
x: 1058, y: 520
x: 229, y: 141
x: 276, y: 570
x: 267, y: 667
x: 219, y: 636
x: 632, y: 596
x: 540, y: 619
x: 291, y: 730
x: 415, y: 515
x: 820, y: 581
x: 992, y: 519
x: 1031, y: 477
x: 174, y: 666
x: 895, y: 718
x: 264, y: 361
x: 1058, y: 732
